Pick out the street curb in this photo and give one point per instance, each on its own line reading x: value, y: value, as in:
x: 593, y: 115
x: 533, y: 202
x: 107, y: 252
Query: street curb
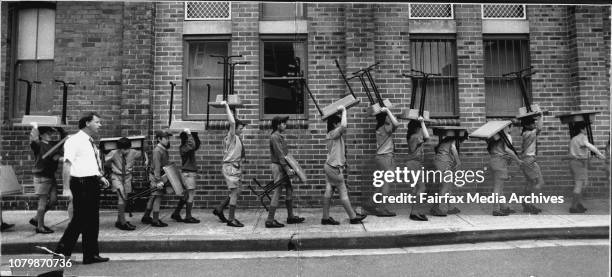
x: 314, y: 241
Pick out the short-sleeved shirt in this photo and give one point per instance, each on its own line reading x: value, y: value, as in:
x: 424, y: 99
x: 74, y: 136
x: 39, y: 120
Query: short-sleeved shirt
x: 529, y: 142
x: 336, y: 155
x: 497, y: 147
x: 115, y: 157
x: 43, y: 167
x: 384, y: 139
x: 415, y: 147
x: 83, y: 155
x: 158, y: 161
x: 578, y: 147
x: 278, y: 149
x: 233, y: 149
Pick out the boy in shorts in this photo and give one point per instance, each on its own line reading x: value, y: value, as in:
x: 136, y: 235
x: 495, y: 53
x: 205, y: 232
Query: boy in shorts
x: 190, y: 143
x: 122, y: 161
x: 44, y: 173
x: 531, y: 129
x: 579, y: 151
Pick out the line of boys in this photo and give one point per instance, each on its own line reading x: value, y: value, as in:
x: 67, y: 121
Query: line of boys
x: 446, y: 157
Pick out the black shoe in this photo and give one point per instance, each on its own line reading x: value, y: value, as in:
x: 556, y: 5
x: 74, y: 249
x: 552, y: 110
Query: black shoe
x: 95, y: 259
x: 124, y: 226
x: 388, y: 213
x: 191, y: 220
x: 33, y: 222
x: 295, y: 220
x: 329, y: 221
x: 146, y: 220
x: 220, y: 215
x: 582, y: 207
x: 508, y: 210
x: 176, y: 217
x: 235, y: 223
x: 6, y: 226
x: 454, y: 210
x: 130, y: 224
x: 437, y: 212
x: 44, y: 231
x: 577, y: 210
x: 499, y: 213
x: 418, y: 217
x: 357, y: 219
x: 274, y: 224
x: 159, y: 223
x: 531, y: 209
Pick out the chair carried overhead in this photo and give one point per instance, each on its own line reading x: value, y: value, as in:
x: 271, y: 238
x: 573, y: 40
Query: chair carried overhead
x: 413, y: 113
x: 375, y: 104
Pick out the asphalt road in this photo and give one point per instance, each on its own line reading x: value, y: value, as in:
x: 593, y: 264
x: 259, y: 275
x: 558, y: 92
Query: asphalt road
x: 523, y: 258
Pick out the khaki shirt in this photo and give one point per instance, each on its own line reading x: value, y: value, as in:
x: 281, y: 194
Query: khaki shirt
x: 335, y: 145
x: 578, y: 148
x: 384, y: 138
x: 232, y: 149
x: 529, y: 142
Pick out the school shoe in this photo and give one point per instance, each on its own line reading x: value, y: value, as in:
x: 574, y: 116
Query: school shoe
x: 357, y: 219
x: 499, y: 213
x: 46, y: 230
x: 6, y: 226
x: 130, y: 224
x: 235, y: 223
x: 454, y: 210
x: 176, y: 217
x: 95, y: 259
x: 387, y: 213
x: 220, y: 215
x: 582, y: 207
x: 295, y: 219
x: 531, y: 209
x: 508, y: 210
x: 159, y: 223
x: 124, y: 226
x: 274, y: 224
x: 418, y: 217
x: 437, y: 212
x: 329, y: 221
x: 191, y: 220
x: 146, y: 220
x: 577, y: 210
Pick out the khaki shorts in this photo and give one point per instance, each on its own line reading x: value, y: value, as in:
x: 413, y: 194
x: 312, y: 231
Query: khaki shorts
x: 232, y: 175
x: 384, y: 162
x: 531, y: 169
x: 579, y: 169
x: 44, y: 185
x: 189, y: 179
x: 499, y: 167
x: 158, y: 192
x: 116, y: 183
x: 279, y: 173
x: 333, y: 175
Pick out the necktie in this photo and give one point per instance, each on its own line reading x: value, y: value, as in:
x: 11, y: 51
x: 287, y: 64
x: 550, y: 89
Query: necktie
x: 93, y: 146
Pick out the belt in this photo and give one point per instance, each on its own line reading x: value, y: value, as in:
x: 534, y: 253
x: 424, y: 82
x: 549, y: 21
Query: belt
x: 86, y: 178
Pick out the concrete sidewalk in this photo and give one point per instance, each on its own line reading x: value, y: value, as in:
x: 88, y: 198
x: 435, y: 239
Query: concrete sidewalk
x: 473, y: 224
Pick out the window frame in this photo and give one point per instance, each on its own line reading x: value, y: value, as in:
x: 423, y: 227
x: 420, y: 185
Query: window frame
x: 282, y: 38
x: 185, y: 91
x: 455, y: 78
x: 490, y: 111
x: 12, y: 54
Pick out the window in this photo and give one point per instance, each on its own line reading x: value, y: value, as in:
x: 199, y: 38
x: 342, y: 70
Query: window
x: 282, y: 11
x: 436, y: 54
x: 503, y: 11
x: 430, y: 11
x: 280, y: 90
x: 504, y: 54
x: 33, y: 59
x: 201, y: 69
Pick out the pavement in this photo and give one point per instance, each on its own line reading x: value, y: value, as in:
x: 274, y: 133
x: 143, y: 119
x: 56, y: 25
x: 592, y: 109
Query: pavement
x: 474, y: 224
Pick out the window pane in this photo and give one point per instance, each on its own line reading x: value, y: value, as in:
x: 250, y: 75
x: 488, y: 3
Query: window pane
x: 279, y: 55
x: 282, y: 11
x: 42, y: 95
x: 282, y: 97
x: 436, y: 56
x: 198, y: 93
x: 26, y: 40
x: 503, y: 55
x: 46, y: 34
x: 201, y: 64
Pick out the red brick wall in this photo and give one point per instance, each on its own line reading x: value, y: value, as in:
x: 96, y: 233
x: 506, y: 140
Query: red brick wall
x: 123, y: 56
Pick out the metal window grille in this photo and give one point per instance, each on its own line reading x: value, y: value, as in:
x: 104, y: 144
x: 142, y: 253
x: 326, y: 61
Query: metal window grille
x: 430, y: 11
x: 208, y: 10
x: 503, y: 11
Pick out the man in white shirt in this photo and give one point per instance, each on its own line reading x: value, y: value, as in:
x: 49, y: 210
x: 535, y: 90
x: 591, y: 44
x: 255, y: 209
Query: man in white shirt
x: 83, y: 173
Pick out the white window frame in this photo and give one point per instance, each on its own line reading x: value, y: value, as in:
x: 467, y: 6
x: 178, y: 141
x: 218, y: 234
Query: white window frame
x: 209, y: 18
x: 452, y: 11
x: 482, y: 12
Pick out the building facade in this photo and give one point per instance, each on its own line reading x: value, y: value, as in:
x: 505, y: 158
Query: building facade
x: 123, y: 56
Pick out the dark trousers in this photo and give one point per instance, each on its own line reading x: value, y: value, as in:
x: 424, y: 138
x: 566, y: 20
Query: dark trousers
x: 86, y: 217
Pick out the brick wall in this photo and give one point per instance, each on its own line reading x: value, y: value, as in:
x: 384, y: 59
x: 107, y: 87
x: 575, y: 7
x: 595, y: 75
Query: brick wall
x: 123, y: 56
